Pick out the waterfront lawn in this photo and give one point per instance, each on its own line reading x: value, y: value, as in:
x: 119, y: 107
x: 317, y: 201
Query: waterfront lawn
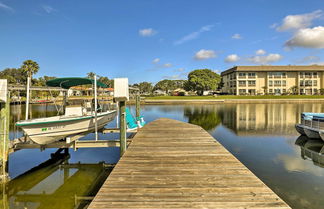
x: 222, y: 97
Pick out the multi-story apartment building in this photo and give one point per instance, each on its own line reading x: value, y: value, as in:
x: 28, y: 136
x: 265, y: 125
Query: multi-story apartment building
x: 267, y: 79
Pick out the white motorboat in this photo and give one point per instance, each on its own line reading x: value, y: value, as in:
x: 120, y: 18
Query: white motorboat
x: 77, y: 119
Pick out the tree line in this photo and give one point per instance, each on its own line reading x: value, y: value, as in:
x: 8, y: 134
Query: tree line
x: 198, y: 80
x: 18, y: 76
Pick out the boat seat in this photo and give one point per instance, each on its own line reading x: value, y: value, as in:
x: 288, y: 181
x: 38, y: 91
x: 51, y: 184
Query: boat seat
x: 73, y: 110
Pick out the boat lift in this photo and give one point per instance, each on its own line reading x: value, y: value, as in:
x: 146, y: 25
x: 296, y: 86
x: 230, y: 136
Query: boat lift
x: 121, y: 96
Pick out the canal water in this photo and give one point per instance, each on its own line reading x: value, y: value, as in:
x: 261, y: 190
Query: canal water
x: 261, y: 136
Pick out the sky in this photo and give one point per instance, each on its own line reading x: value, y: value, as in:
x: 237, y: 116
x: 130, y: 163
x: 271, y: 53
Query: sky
x: 150, y: 40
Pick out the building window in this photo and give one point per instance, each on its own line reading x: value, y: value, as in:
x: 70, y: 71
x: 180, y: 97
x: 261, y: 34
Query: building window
x: 270, y: 83
x: 242, y: 91
x: 242, y: 75
x: 301, y: 83
x: 308, y: 75
x: 251, y: 75
x: 270, y: 91
x: 251, y: 83
x: 283, y: 90
x: 315, y: 83
x: 314, y: 74
x: 301, y: 74
x: 283, y: 83
x: 308, y: 83
x: 284, y: 75
x: 242, y: 83
x: 277, y: 83
x: 251, y: 91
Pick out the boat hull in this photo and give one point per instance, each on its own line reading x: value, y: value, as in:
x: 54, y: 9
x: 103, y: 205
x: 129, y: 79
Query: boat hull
x: 300, y: 129
x: 51, y: 132
x: 312, y: 133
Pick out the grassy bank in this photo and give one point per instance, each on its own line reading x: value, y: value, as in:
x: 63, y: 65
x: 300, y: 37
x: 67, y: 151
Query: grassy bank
x: 224, y: 97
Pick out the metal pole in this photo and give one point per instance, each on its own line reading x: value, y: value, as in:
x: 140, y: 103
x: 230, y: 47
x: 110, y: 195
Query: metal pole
x: 138, y: 105
x: 122, y: 125
x: 96, y: 103
x: 27, y: 98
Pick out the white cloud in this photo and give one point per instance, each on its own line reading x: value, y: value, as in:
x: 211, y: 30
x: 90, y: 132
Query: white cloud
x: 172, y: 77
x: 156, y: 60
x: 147, y: 32
x: 179, y: 70
x: 167, y: 65
x: 265, y: 59
x: 308, y: 38
x: 180, y: 76
x: 48, y: 9
x: 194, y: 35
x: 309, y: 59
x: 295, y: 22
x: 204, y: 54
x: 232, y: 58
x: 260, y: 52
x: 236, y: 36
x: 6, y: 7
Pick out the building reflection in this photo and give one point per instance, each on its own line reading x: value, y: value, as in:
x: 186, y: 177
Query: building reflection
x: 311, y: 149
x: 259, y: 119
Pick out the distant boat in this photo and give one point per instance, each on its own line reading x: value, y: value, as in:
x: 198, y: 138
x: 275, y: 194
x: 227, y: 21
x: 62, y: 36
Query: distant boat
x: 77, y: 118
x: 312, y: 125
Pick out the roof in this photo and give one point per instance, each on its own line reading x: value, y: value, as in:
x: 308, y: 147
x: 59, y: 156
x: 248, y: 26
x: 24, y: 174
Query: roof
x: 274, y: 68
x: 67, y: 83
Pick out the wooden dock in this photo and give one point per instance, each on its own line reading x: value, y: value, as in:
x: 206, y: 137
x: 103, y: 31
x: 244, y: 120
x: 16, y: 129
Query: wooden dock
x: 172, y: 164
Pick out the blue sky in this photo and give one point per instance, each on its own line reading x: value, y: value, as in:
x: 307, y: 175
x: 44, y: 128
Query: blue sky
x: 149, y: 40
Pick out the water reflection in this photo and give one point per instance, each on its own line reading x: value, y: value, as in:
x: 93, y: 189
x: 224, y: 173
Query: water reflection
x: 312, y: 150
x: 261, y: 136
x: 206, y: 117
x: 265, y: 119
x: 55, y: 184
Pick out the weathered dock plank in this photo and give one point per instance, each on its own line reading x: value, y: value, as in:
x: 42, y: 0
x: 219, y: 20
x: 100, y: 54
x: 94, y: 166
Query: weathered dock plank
x: 172, y: 164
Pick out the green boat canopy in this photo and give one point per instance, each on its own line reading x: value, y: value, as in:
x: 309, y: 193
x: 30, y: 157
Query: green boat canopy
x: 67, y: 83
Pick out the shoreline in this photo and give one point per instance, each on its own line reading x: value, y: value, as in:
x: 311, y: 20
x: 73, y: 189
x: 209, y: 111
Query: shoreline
x: 227, y: 101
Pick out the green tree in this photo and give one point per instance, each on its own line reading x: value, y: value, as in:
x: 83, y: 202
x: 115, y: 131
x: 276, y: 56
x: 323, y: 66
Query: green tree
x: 91, y: 75
x: 13, y: 75
x: 145, y: 87
x: 202, y: 80
x: 165, y: 85
x: 29, y: 67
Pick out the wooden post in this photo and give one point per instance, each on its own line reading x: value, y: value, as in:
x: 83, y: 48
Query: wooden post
x: 4, y: 138
x: 138, y: 105
x: 122, y: 126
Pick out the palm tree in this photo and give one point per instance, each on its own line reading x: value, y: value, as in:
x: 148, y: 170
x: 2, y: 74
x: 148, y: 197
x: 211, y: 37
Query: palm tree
x: 91, y: 75
x: 30, y: 67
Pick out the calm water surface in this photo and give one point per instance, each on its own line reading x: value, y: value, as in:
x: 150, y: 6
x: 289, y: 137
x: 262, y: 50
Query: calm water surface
x: 261, y: 136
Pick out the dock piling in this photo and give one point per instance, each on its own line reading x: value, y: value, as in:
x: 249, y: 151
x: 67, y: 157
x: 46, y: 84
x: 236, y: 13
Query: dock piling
x: 138, y: 105
x: 122, y: 125
x: 4, y: 129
